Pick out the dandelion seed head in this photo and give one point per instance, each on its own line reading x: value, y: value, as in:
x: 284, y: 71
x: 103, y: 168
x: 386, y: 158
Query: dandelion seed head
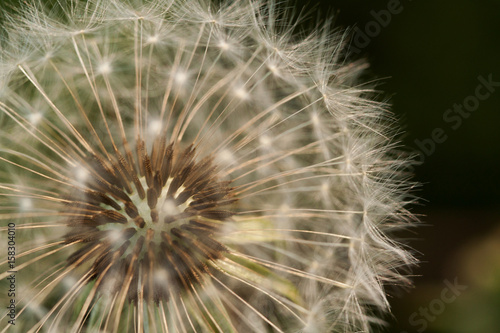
x: 181, y: 77
x: 155, y: 127
x: 274, y: 69
x: 169, y: 208
x: 25, y: 204
x: 115, y: 236
x: 226, y: 157
x: 315, y: 119
x: 161, y: 275
x: 105, y: 68
x: 265, y: 141
x: 223, y: 45
x: 195, y: 167
x: 325, y: 187
x: 35, y: 118
x: 241, y: 93
x: 153, y: 39
x: 81, y: 175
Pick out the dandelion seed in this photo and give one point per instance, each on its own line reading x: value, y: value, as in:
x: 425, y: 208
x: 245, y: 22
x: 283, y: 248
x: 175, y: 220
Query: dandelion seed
x: 35, y: 118
x: 218, y: 175
x: 241, y: 93
x: 25, y: 204
x: 153, y: 39
x: 224, y: 45
x: 180, y: 77
x: 105, y: 68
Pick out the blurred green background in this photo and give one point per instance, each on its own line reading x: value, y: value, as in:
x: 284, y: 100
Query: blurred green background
x: 431, y: 55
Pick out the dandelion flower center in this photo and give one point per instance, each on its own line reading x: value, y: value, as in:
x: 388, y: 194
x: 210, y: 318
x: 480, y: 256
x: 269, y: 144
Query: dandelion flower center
x: 153, y: 215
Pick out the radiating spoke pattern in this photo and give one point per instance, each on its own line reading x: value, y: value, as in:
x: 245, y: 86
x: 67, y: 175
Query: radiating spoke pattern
x: 187, y: 166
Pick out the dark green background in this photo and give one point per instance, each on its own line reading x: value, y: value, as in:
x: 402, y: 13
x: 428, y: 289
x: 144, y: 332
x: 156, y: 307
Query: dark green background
x: 430, y: 56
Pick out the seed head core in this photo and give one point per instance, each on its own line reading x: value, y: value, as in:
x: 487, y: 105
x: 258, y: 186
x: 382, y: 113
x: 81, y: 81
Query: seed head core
x: 148, y: 223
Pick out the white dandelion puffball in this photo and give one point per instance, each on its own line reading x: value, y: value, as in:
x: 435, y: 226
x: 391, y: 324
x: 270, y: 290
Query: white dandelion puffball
x: 185, y: 166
